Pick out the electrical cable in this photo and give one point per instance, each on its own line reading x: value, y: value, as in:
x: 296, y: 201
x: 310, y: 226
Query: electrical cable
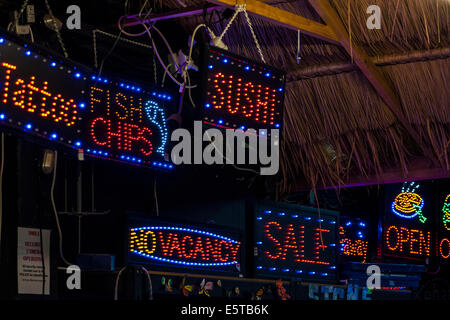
x: 150, y: 286
x: 56, y: 212
x: 116, y: 287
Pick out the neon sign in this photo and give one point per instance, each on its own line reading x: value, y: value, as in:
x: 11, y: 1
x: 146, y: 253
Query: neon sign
x: 293, y: 241
x: 407, y: 241
x: 38, y: 96
x: 443, y: 243
x: 68, y: 104
x: 409, y: 204
x: 126, y: 124
x: 242, y: 94
x: 353, y: 240
x: 446, y: 213
x: 183, y: 246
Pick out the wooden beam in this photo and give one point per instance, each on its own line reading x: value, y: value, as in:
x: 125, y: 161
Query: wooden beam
x: 368, y: 68
x: 284, y: 18
x: 394, y: 59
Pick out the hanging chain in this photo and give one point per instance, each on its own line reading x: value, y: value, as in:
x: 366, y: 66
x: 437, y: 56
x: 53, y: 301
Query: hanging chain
x: 58, y: 34
x: 241, y: 8
x: 94, y: 39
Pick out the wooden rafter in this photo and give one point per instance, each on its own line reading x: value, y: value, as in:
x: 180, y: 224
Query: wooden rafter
x: 180, y: 13
x: 282, y: 17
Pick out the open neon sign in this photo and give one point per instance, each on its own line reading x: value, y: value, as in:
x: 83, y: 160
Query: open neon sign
x: 108, y: 118
x: 295, y: 242
x: 242, y: 94
x: 183, y: 247
x: 407, y: 231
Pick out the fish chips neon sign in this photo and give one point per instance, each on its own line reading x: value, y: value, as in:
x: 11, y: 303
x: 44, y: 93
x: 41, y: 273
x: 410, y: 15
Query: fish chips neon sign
x: 183, y: 246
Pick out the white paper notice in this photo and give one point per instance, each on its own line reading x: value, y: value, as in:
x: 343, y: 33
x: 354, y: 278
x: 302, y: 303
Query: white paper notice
x: 29, y: 260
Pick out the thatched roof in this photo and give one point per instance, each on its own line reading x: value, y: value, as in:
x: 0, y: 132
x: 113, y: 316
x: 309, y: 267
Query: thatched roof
x: 336, y: 126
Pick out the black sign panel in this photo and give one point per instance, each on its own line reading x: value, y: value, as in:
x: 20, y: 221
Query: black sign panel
x: 125, y: 122
x: 240, y: 93
x: 408, y: 222
x: 39, y: 95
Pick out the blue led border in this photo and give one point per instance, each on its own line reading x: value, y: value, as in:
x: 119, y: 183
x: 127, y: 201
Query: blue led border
x: 129, y: 159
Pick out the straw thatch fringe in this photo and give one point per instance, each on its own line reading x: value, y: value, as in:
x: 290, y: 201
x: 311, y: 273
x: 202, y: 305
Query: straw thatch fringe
x: 335, y: 125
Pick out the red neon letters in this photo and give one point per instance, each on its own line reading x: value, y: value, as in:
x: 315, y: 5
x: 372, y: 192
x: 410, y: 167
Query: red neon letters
x: 118, y: 125
x: 249, y: 99
x: 402, y: 240
x: 290, y: 243
x: 122, y: 136
x: 30, y: 96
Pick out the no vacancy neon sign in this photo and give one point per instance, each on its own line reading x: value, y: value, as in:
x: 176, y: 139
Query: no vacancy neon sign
x: 107, y: 117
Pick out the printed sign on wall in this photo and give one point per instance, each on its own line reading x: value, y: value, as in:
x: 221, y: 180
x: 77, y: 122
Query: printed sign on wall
x: 29, y: 261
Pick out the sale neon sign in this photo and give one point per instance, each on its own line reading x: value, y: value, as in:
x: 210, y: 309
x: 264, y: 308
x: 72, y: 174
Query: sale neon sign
x: 181, y: 246
x: 295, y: 242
